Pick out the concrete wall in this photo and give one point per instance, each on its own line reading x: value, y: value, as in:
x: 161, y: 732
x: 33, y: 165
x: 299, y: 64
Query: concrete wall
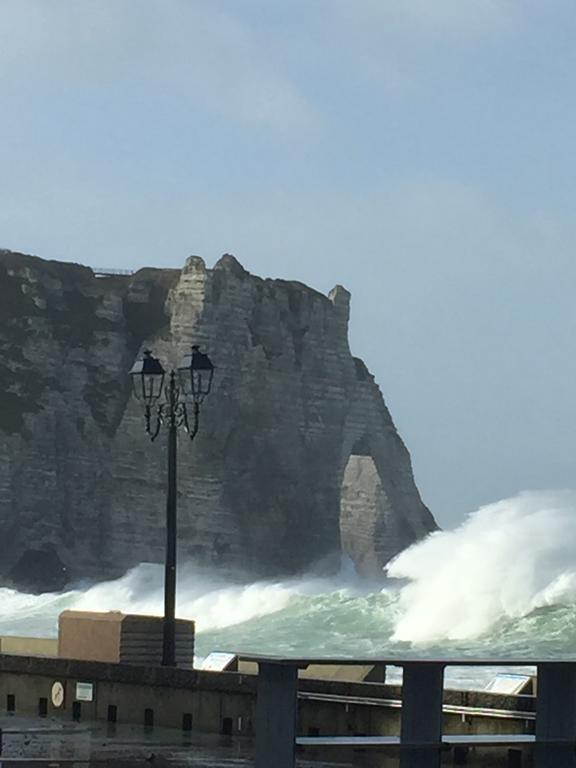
x: 225, y: 701
x: 209, y: 698
x: 29, y: 646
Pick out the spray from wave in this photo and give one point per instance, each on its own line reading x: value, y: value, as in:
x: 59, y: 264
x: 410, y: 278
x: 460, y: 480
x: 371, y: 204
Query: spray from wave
x: 204, y: 596
x: 212, y: 602
x: 504, y: 562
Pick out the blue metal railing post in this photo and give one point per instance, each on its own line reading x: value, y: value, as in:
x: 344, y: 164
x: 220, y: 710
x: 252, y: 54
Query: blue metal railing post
x: 556, y: 715
x: 276, y: 712
x: 422, y: 688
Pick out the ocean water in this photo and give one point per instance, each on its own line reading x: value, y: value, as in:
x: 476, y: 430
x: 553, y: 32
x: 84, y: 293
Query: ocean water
x: 502, y: 585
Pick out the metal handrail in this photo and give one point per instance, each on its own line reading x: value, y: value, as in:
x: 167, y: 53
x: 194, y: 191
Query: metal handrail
x: 421, y: 710
x: 105, y: 271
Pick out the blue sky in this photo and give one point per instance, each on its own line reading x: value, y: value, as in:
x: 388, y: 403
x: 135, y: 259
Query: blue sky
x: 420, y: 152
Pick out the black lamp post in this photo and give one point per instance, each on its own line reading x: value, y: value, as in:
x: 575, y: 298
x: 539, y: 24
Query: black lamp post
x: 191, y: 382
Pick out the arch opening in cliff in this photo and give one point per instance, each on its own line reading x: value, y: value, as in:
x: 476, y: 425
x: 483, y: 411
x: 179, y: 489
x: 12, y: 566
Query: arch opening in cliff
x: 362, y: 503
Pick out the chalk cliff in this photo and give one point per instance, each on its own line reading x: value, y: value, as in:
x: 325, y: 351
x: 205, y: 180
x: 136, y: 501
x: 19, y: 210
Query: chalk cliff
x: 297, y: 458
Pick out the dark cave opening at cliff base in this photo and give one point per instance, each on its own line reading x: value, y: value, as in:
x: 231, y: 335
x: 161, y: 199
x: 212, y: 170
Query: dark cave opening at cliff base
x: 361, y: 502
x: 37, y: 571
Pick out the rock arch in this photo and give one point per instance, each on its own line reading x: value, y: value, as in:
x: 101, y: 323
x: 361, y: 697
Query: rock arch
x: 259, y: 490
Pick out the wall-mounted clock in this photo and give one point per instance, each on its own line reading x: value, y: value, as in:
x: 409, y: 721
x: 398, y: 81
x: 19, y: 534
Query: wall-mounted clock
x: 57, y: 694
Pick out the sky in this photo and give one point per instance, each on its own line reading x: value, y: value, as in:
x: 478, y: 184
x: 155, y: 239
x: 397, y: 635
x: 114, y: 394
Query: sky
x: 421, y: 153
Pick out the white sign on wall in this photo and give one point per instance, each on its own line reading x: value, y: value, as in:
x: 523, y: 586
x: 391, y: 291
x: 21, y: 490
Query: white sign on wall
x: 218, y: 662
x: 508, y: 683
x: 84, y: 692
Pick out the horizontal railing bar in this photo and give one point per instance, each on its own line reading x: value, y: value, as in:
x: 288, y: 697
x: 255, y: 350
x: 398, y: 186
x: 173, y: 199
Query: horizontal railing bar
x: 111, y: 271
x: 57, y: 761
x: 456, y: 709
x: 485, y: 740
x: 42, y: 731
x: 394, y: 662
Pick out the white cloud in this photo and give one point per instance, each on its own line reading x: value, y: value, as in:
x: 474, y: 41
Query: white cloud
x: 471, y: 18
x: 399, y: 43
x: 210, y: 58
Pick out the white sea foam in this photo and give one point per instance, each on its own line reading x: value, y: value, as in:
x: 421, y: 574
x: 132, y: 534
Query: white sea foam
x: 504, y: 561
x: 202, y: 596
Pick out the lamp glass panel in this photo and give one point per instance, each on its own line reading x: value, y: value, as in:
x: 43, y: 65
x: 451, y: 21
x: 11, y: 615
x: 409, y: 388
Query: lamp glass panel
x: 147, y: 378
x: 184, y: 377
x: 202, y: 381
x: 152, y: 386
x: 205, y: 381
x: 195, y: 373
x: 137, y: 386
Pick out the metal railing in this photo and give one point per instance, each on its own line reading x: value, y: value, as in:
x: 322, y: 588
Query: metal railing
x: 106, y: 272
x: 421, y: 741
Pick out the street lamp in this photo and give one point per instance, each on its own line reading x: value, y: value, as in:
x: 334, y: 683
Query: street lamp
x: 192, y: 382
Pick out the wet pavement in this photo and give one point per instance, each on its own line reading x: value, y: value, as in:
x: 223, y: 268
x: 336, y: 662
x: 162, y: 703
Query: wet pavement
x: 52, y: 742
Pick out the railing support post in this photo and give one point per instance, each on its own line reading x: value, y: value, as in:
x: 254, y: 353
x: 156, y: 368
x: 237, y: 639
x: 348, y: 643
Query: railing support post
x: 556, y: 715
x: 276, y: 711
x: 422, y: 688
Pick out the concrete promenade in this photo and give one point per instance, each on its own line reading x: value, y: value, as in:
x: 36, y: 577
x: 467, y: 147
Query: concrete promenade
x: 27, y: 740
x: 32, y: 742
x: 53, y: 744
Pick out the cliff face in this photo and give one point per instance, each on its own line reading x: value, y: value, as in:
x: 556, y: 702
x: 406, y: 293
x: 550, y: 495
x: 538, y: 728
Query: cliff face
x: 268, y: 487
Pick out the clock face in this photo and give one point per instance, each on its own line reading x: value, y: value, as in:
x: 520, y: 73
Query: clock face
x: 57, y: 694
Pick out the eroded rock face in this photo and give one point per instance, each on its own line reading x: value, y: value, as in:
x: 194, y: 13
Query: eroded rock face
x: 82, y: 489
